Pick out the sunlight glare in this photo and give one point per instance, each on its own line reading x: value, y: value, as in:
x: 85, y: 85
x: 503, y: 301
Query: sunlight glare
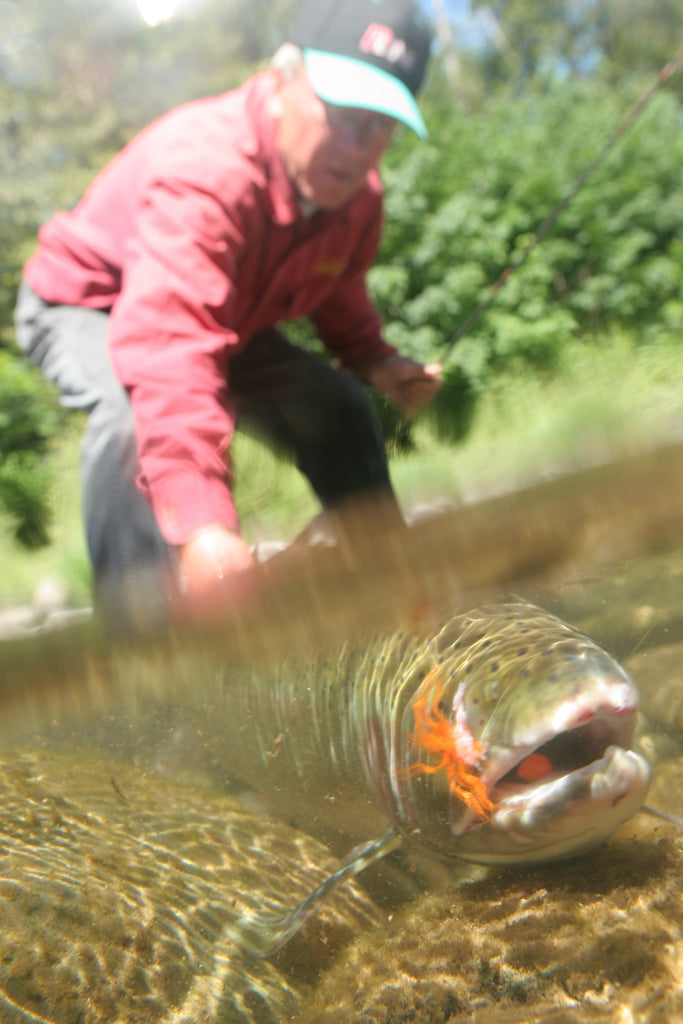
x: 156, y: 11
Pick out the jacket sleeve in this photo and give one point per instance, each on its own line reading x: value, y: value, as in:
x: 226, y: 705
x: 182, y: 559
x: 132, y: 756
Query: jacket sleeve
x: 347, y: 321
x: 170, y: 349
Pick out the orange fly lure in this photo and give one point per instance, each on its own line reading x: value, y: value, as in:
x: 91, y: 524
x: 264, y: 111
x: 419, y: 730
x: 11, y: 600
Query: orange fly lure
x: 435, y: 733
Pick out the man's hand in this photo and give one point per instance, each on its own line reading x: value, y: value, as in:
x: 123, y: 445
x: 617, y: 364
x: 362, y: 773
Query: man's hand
x: 408, y: 385
x: 211, y: 566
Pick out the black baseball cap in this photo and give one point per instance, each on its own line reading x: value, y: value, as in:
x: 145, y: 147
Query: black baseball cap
x: 366, y: 53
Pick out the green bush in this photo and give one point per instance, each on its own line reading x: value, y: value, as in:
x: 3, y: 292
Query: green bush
x: 29, y: 417
x: 464, y: 208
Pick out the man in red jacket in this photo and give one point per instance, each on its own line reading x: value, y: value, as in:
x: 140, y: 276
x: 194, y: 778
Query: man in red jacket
x: 154, y: 304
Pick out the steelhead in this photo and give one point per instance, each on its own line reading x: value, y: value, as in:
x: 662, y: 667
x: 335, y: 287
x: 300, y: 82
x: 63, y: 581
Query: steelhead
x: 502, y: 736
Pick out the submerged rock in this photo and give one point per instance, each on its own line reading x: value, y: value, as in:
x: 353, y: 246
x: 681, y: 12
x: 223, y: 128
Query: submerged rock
x: 117, y: 888
x: 598, y: 938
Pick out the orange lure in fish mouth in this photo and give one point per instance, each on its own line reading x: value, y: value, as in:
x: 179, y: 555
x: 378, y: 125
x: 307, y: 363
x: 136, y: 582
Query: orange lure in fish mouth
x: 434, y: 732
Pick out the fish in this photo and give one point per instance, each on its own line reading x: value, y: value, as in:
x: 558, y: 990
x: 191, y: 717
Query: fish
x: 500, y: 735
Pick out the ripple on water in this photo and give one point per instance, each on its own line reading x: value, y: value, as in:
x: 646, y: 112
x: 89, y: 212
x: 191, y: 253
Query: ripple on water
x: 116, y: 887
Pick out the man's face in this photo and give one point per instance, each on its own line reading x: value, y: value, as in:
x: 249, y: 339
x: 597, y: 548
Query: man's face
x: 327, y: 150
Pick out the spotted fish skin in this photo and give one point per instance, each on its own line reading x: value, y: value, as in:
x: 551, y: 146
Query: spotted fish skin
x: 512, y: 678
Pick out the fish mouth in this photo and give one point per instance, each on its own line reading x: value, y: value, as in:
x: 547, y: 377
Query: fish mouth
x: 578, y: 744
x: 562, y: 796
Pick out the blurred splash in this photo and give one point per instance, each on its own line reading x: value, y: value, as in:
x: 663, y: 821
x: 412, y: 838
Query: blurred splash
x: 539, y: 540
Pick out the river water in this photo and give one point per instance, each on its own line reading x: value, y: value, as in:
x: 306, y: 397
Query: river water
x: 129, y: 842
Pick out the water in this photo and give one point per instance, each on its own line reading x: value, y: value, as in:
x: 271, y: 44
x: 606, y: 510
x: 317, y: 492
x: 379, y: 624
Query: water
x: 129, y: 841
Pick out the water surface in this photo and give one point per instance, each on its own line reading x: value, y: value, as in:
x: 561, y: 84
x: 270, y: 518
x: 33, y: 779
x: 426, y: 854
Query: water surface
x: 130, y: 839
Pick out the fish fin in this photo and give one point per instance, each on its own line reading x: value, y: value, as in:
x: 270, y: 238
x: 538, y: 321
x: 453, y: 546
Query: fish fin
x: 435, y: 732
x: 662, y: 815
x: 265, y: 934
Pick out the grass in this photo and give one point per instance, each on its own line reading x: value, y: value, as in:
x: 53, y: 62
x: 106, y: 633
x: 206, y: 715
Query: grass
x: 603, y: 399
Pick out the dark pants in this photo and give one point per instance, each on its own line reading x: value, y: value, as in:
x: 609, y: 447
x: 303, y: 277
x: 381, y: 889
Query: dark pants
x: 319, y: 415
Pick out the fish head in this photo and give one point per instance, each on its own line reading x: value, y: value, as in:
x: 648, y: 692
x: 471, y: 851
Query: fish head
x: 542, y: 722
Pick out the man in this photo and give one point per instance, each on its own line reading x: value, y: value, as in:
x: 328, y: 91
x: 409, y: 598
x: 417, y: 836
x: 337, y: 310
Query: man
x: 154, y: 304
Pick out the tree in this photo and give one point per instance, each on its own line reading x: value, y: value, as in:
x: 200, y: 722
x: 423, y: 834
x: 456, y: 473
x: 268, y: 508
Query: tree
x: 639, y: 36
x: 620, y: 38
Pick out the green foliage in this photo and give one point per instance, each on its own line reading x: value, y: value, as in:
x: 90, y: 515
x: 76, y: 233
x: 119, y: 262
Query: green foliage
x: 462, y: 212
x: 452, y: 411
x: 29, y: 416
x: 617, y: 38
x: 24, y: 483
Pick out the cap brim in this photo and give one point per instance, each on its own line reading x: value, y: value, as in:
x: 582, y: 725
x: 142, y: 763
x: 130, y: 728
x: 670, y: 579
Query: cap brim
x: 353, y: 83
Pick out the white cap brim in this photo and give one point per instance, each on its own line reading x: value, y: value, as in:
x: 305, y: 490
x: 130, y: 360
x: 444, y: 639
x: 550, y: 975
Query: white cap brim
x: 347, y: 82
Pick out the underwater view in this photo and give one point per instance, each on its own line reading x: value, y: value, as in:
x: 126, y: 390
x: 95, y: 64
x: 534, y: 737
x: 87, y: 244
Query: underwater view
x: 444, y: 786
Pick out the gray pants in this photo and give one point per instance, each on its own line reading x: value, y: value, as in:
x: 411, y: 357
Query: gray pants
x: 321, y: 416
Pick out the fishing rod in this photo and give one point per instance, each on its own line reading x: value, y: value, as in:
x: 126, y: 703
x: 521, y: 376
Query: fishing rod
x: 664, y: 75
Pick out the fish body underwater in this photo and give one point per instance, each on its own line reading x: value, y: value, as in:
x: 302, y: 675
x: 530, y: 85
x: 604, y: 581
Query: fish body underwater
x: 503, y: 735
x: 498, y: 735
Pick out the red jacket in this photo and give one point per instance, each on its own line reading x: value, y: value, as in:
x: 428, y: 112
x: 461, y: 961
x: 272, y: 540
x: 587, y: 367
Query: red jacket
x: 193, y: 237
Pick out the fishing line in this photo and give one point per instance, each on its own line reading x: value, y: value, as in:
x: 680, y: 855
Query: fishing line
x: 670, y: 819
x: 15, y: 1014
x: 642, y: 640
x: 664, y: 75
